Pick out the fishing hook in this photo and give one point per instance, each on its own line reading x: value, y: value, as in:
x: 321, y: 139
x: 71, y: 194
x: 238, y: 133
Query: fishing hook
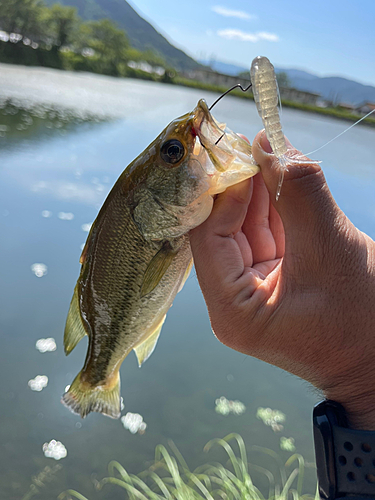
x: 227, y: 92
x: 222, y: 95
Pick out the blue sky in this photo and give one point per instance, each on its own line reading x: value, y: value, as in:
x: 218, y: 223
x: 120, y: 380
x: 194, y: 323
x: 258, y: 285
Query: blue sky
x: 328, y: 38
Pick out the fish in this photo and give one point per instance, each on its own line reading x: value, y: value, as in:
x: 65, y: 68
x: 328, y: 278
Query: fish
x: 137, y: 255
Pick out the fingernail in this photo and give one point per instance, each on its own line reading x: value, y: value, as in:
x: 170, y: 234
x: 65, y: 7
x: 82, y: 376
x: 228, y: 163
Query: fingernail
x: 264, y: 143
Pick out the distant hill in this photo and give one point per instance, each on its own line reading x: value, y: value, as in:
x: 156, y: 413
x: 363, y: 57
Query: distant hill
x: 333, y: 88
x: 141, y: 33
x: 337, y: 89
x: 225, y: 68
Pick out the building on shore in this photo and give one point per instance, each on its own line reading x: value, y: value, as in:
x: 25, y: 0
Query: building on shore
x: 346, y: 106
x: 222, y: 80
x: 365, y: 108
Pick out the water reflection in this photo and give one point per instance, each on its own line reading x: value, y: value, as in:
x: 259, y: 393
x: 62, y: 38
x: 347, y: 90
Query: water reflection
x: 40, y: 480
x: 22, y: 120
x: 175, y: 390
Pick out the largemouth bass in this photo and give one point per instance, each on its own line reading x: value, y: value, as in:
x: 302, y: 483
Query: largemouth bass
x: 137, y: 255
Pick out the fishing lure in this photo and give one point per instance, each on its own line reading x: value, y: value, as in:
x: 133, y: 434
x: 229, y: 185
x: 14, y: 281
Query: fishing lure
x: 267, y: 97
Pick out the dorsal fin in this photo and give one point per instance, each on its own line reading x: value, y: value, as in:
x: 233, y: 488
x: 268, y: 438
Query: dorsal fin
x: 144, y: 350
x: 74, y: 327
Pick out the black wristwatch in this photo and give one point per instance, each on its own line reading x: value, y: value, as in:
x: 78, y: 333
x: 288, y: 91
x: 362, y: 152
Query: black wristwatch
x: 345, y: 457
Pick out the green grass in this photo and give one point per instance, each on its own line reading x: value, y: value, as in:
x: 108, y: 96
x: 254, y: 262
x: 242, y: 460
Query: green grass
x: 170, y: 478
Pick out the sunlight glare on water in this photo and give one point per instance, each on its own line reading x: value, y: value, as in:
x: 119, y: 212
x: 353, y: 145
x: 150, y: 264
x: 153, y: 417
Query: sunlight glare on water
x: 46, y: 345
x: 39, y: 269
x: 86, y: 227
x: 65, y: 215
x: 38, y: 383
x: 54, y: 449
x: 134, y: 423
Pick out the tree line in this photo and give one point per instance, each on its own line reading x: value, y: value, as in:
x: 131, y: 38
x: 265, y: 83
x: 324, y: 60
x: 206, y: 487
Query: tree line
x: 56, y: 36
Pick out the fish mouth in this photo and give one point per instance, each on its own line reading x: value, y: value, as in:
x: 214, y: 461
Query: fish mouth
x: 228, y: 158
x: 205, y: 126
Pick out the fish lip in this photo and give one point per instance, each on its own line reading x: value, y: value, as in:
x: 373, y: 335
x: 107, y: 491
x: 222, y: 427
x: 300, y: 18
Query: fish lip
x: 201, y: 114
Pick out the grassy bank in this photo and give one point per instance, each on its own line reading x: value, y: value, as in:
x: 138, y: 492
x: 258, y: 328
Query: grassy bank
x: 169, y: 477
x: 333, y: 112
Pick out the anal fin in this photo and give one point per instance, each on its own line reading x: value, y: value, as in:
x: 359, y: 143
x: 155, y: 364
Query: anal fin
x: 74, y: 328
x: 144, y: 350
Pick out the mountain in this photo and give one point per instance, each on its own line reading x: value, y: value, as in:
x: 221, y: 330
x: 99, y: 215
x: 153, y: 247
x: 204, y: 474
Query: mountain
x: 331, y: 88
x: 337, y: 89
x: 142, y: 34
x: 296, y: 74
x: 225, y: 68
x: 234, y: 69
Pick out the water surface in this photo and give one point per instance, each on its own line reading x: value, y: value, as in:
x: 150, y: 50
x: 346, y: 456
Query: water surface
x: 64, y: 140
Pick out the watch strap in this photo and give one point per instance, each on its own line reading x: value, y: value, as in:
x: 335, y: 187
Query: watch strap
x: 345, y: 457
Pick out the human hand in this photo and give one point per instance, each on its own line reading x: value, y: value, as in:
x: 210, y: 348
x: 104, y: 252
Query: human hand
x: 292, y: 282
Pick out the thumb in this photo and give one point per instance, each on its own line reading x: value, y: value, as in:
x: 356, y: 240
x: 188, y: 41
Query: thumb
x: 306, y: 206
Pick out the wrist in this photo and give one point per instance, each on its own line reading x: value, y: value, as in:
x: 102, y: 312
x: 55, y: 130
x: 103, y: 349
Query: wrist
x: 359, y: 406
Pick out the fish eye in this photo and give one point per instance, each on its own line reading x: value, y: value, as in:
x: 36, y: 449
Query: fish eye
x: 172, y: 151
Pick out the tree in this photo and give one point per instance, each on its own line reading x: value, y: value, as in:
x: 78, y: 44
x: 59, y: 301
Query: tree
x: 62, y: 24
x: 283, y: 79
x: 23, y: 17
x: 244, y: 74
x: 108, y: 42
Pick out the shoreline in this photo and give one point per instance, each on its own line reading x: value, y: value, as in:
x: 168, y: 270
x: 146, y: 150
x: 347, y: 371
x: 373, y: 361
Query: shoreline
x: 184, y: 82
x: 331, y: 112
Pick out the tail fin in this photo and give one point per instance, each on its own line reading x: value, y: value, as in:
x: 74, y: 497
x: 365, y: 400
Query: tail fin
x: 82, y: 398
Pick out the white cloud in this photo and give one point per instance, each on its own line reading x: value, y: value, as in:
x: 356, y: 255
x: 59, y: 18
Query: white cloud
x: 232, y: 34
x: 223, y: 11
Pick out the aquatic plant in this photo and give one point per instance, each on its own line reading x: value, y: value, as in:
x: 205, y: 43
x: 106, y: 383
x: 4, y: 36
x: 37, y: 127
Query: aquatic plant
x: 170, y: 478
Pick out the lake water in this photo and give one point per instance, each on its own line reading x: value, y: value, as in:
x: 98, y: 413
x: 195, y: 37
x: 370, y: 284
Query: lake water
x: 64, y: 140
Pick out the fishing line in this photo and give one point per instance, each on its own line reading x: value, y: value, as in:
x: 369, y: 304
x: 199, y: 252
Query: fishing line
x: 339, y: 135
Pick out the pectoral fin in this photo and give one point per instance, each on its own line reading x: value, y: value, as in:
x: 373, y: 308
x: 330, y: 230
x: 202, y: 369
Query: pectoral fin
x: 74, y: 328
x: 144, y: 350
x: 157, y: 268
